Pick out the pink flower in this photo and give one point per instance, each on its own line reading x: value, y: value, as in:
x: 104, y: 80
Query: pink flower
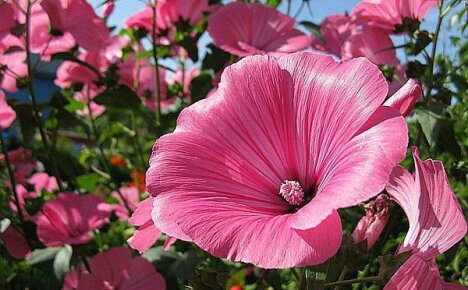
x: 12, y: 65
x: 335, y: 29
x: 372, y: 224
x: 79, y: 19
x: 44, y: 43
x: 405, y: 98
x: 184, y: 79
x: 42, y: 180
x: 23, y: 194
x: 146, y: 76
x: 7, y: 114
x: 108, y: 9
x: 436, y: 223
x: 303, y: 118
x: 131, y: 196
x: 373, y: 43
x: 70, y: 72
x: 15, y: 243
x: 246, y: 29
x: 388, y: 14
x: 23, y: 163
x: 87, y: 94
x: 7, y: 18
x: 115, y: 269
x: 68, y: 218
x: 147, y: 233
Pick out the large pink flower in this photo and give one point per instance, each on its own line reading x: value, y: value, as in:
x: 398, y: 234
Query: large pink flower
x: 436, y: 223
x: 387, y: 14
x: 7, y: 114
x: 335, y: 30
x: 247, y: 29
x: 115, y: 269
x: 256, y: 172
x: 79, y: 19
x: 68, y: 218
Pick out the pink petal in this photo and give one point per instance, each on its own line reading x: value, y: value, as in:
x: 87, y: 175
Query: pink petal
x: 240, y: 27
x: 142, y: 213
x: 335, y: 29
x: 436, y: 221
x: 405, y: 98
x: 144, y: 237
x: 416, y: 273
x: 7, y: 114
x: 15, y: 243
x: 111, y: 265
x: 142, y: 276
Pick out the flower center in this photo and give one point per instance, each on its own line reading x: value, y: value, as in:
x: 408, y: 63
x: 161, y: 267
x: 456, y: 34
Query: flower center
x: 292, y: 192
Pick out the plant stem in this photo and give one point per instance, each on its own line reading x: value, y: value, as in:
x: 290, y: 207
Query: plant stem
x: 352, y: 281
x: 13, y: 188
x: 156, y: 67
x: 103, y: 158
x: 430, y: 82
x: 343, y: 273
x: 32, y: 95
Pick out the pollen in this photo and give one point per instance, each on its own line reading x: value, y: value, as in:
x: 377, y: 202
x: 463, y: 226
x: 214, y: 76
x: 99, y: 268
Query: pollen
x: 292, y: 192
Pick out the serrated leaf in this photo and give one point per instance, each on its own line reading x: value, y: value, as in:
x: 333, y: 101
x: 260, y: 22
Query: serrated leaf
x: 62, y: 261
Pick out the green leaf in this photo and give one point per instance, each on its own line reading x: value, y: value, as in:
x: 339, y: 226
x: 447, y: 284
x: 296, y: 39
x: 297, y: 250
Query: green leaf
x: 200, y: 86
x: 313, y: 28
x: 88, y: 181
x: 121, y: 97
x: 216, y: 59
x: 184, y: 267
x: 42, y: 255
x: 430, y: 120
x: 190, y: 45
x: 273, y: 3
x: 24, y: 114
x: 62, y: 261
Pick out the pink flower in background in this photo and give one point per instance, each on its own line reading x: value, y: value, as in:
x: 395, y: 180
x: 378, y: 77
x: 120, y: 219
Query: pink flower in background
x: 147, y: 233
x: 7, y: 114
x: 70, y: 72
x: 23, y: 194
x: 79, y: 19
x: 44, y: 43
x: 247, y: 29
x: 7, y: 18
x: 405, y: 98
x: 68, y: 218
x: 131, y: 196
x: 42, y: 180
x: 23, y: 163
x: 335, y: 29
x: 15, y: 243
x: 87, y: 94
x: 388, y: 14
x: 257, y: 171
x: 12, y: 62
x: 436, y: 223
x: 372, y: 224
x: 373, y: 43
x: 146, y: 76
x: 184, y: 79
x: 115, y: 269
x: 108, y: 9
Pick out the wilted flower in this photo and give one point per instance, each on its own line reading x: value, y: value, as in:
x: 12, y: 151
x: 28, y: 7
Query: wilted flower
x: 247, y: 29
x: 115, y: 269
x: 257, y: 172
x: 436, y: 223
x: 68, y: 218
x: 372, y: 224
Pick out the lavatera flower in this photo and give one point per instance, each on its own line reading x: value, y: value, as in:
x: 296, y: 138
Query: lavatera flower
x: 436, y: 223
x: 257, y: 172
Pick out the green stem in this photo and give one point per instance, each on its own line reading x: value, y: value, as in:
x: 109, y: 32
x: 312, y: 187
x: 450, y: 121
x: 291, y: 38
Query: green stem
x: 343, y: 273
x: 430, y: 82
x: 156, y: 67
x: 13, y: 188
x: 32, y: 95
x: 374, y: 279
